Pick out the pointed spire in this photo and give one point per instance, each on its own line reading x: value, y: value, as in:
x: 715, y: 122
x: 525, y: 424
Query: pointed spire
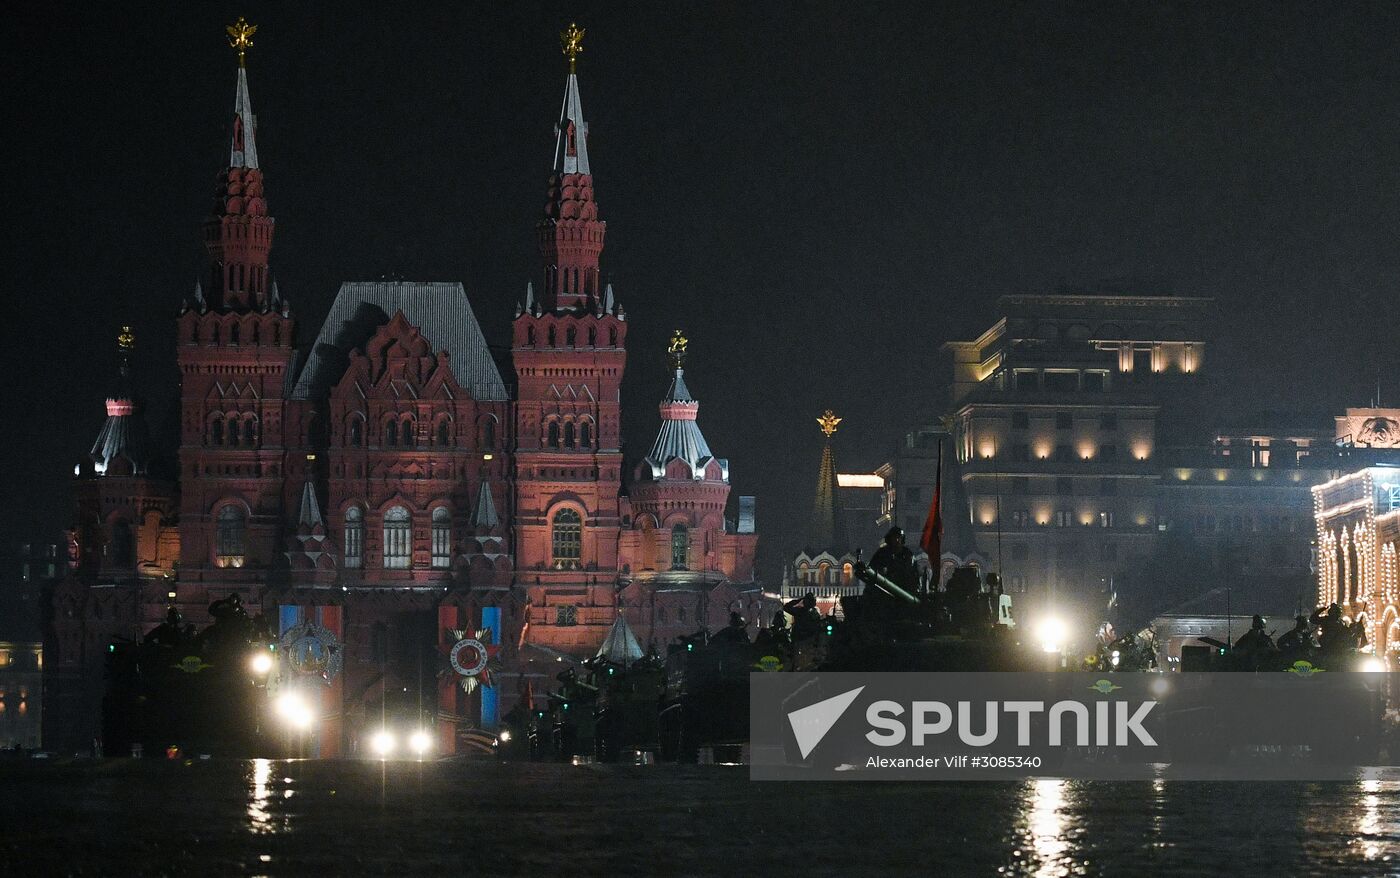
x: 243, y: 150
x: 571, y: 132
x: 310, y: 517
x: 570, y: 235
x: 238, y: 231
x: 122, y: 446
x: 822, y: 530
x: 199, y: 296
x: 608, y: 301
x: 530, y: 296
x: 485, y: 517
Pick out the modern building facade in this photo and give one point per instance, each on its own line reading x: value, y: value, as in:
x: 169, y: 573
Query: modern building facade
x: 1055, y: 427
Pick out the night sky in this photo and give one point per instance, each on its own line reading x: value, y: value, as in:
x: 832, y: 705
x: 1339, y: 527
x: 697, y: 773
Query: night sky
x: 820, y: 195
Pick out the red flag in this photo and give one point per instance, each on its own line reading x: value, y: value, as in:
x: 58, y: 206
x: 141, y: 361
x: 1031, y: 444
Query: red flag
x: 932, y: 540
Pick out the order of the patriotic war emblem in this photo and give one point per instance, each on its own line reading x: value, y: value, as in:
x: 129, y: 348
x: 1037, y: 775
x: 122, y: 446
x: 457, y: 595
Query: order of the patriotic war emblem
x: 471, y: 658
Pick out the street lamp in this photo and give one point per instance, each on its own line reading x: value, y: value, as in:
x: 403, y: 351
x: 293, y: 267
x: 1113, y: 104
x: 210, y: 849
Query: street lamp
x: 420, y: 741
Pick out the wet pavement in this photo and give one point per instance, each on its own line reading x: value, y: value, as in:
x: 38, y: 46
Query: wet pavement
x: 262, y: 817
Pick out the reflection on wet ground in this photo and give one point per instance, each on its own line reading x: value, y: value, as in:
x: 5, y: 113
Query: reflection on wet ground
x: 291, y: 818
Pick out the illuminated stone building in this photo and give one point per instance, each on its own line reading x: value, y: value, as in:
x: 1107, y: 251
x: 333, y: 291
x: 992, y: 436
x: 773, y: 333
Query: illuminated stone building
x: 1055, y: 427
x: 1358, y: 536
x: 382, y: 482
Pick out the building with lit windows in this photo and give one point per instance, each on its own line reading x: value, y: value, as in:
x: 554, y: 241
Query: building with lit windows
x: 1055, y: 427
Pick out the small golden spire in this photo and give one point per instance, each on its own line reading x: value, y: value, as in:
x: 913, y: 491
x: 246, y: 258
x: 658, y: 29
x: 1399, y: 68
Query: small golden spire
x: 828, y: 422
x: 126, y: 339
x: 677, y: 348
x: 240, y: 37
x: 572, y: 40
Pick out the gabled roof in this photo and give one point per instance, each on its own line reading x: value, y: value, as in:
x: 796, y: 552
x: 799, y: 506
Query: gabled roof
x: 439, y: 310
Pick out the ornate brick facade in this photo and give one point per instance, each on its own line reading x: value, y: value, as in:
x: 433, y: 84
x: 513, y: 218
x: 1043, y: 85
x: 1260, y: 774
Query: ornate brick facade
x: 384, y: 482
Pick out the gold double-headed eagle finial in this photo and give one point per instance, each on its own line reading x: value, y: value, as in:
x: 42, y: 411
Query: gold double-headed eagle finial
x: 677, y: 348
x: 240, y: 37
x: 828, y: 422
x: 572, y: 41
x: 126, y: 339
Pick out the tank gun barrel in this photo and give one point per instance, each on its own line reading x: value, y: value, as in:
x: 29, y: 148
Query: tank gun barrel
x: 870, y: 577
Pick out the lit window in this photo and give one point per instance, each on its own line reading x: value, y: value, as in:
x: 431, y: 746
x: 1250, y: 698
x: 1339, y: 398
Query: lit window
x: 567, y: 539
x: 229, y: 536
x: 680, y: 549
x: 442, y: 537
x: 397, y: 538
x: 354, y: 537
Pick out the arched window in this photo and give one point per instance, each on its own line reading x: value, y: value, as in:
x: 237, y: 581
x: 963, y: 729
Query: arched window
x: 397, y: 539
x: 570, y: 336
x: 442, y: 537
x: 680, y: 547
x: 257, y: 335
x: 442, y: 437
x: 553, y: 434
x: 276, y: 333
x: 120, y: 550
x: 233, y: 431
x: 354, y: 537
x: 569, y: 435
x: 592, y: 336
x: 391, y: 433
x: 409, y: 434
x: 229, y: 537
x: 567, y: 539
x: 216, y: 432
x: 551, y: 336
x: 612, y: 337
x: 357, y: 432
x: 250, y: 431
x: 585, y: 439
x: 488, y: 433
x: 233, y: 333
x: 530, y: 336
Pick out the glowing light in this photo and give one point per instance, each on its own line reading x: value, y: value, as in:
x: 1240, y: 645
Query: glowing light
x: 505, y: 736
x: 261, y: 663
x: 488, y: 456
x: 294, y: 710
x: 1373, y: 665
x: 859, y: 480
x: 382, y: 743
x: 420, y: 741
x: 1051, y: 631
